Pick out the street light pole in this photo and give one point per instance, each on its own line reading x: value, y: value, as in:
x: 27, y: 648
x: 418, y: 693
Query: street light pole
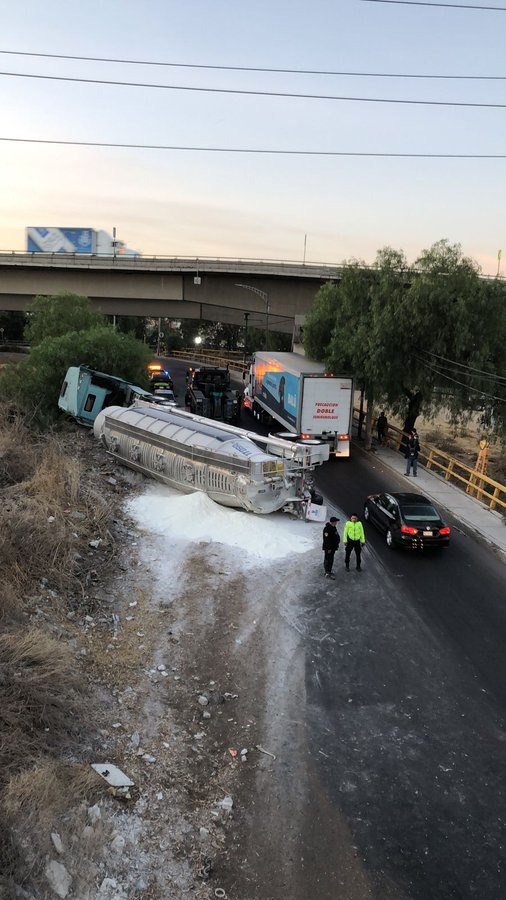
x: 159, y: 337
x: 265, y: 297
x: 246, y: 317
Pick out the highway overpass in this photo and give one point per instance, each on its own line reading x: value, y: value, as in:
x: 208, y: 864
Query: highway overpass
x: 221, y: 290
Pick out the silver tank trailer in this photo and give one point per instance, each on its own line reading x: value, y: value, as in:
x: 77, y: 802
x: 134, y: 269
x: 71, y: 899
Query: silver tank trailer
x: 192, y: 453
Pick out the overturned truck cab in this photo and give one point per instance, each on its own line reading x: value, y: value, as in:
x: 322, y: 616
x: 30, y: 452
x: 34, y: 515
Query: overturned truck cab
x: 85, y: 392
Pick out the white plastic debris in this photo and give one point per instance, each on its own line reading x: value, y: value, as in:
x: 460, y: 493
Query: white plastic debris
x: 114, y: 776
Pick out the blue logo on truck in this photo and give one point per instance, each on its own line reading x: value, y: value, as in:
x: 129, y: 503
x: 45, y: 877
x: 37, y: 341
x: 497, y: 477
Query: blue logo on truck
x: 280, y: 390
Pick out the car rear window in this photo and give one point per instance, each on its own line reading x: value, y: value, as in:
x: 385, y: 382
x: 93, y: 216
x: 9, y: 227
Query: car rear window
x: 414, y: 513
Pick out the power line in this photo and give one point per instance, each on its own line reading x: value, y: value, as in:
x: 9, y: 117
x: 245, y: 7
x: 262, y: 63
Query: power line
x: 265, y: 69
x: 251, y: 93
x: 447, y: 5
x: 245, y: 150
x: 454, y: 362
x: 461, y: 383
x: 467, y: 374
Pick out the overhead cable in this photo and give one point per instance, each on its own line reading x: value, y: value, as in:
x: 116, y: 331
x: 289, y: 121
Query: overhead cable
x: 265, y: 69
x: 446, y: 5
x: 245, y: 150
x: 251, y: 93
x: 454, y: 362
x: 442, y: 374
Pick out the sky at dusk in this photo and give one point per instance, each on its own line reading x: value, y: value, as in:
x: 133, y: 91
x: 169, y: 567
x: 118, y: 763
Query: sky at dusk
x: 196, y: 203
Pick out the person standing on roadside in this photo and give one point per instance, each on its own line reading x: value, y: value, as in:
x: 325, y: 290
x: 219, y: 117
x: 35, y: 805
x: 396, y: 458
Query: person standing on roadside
x: 411, y: 454
x: 353, y: 539
x: 382, y: 426
x: 331, y: 541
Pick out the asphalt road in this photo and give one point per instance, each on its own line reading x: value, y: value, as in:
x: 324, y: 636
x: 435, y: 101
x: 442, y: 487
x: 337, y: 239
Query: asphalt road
x: 413, y: 698
x: 404, y: 721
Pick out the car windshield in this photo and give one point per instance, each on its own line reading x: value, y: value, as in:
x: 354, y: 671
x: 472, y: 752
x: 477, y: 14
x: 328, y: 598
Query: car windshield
x: 415, y: 513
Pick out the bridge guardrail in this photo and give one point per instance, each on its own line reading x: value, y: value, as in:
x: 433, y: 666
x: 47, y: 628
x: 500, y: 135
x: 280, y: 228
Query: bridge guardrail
x: 477, y: 485
x: 212, y: 357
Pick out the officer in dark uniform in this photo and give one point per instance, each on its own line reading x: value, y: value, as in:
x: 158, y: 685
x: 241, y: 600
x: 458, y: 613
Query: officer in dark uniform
x: 331, y: 541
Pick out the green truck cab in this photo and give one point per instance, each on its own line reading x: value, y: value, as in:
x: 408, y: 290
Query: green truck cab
x: 85, y: 392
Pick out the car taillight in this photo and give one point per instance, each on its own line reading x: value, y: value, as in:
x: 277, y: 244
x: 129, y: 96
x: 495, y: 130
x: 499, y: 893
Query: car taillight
x: 305, y: 437
x: 406, y: 529
x: 444, y: 530
x: 344, y: 437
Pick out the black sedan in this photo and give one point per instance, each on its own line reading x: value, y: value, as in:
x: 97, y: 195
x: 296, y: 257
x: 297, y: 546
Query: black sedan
x: 407, y: 520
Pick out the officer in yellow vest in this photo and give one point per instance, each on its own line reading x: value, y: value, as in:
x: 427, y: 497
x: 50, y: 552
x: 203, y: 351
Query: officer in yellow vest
x: 353, y: 539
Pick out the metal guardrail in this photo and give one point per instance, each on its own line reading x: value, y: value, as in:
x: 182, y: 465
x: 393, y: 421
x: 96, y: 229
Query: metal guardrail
x: 179, y: 264
x: 212, y: 358
x: 477, y: 485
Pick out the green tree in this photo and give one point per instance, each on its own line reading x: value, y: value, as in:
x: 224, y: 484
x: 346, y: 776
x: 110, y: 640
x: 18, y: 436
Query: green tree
x: 404, y: 333
x: 59, y: 313
x: 449, y: 322
x: 350, y: 321
x: 34, y: 384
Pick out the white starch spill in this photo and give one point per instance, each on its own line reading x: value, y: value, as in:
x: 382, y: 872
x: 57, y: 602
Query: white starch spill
x: 195, y: 517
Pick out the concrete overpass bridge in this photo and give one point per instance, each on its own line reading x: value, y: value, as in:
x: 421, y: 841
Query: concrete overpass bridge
x: 223, y: 290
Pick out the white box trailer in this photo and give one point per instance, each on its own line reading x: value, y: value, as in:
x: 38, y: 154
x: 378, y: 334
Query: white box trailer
x: 299, y: 394
x: 41, y: 239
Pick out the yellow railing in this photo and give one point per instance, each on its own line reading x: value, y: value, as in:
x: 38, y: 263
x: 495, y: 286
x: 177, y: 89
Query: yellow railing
x: 476, y: 484
x: 212, y: 357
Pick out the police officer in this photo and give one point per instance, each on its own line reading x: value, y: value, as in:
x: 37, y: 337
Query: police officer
x: 331, y: 542
x: 353, y: 539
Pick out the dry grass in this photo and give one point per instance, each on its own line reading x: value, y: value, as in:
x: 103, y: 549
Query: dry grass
x: 36, y: 797
x: 39, y: 715
x: 39, y: 697
x: 32, y: 547
x: 35, y: 803
x: 446, y: 443
x: 39, y: 531
x: 56, y: 481
x: 11, y: 604
x: 49, y: 511
x: 18, y: 455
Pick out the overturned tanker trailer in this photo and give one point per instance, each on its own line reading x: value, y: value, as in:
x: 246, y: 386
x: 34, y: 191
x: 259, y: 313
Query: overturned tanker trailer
x: 234, y: 467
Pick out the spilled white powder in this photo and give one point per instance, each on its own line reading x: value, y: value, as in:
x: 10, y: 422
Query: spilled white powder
x: 195, y: 517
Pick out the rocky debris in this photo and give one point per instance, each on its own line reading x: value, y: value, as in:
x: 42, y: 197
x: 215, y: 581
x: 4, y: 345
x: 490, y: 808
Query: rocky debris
x: 110, y: 889
x: 57, y: 842
x: 117, y: 845
x: 94, y: 813
x: 59, y: 878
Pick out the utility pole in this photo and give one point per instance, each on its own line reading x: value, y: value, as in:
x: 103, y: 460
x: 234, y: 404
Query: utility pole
x: 159, y: 337
x: 246, y: 317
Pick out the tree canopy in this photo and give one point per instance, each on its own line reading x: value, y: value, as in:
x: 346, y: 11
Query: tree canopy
x: 58, y: 314
x: 416, y: 338
x: 34, y: 385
